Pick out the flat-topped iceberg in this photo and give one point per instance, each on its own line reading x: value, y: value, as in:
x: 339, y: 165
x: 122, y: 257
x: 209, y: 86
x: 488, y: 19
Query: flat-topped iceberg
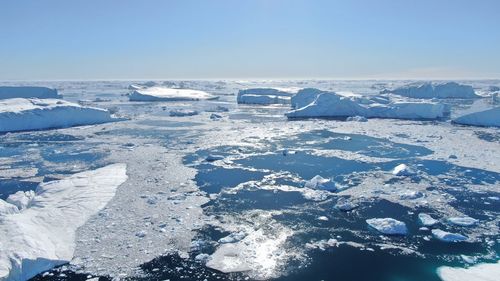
x: 462, y: 221
x: 479, y: 272
x: 448, y: 236
x: 486, y: 118
x: 388, y: 226
x: 9, y: 92
x: 169, y: 94
x: 426, y: 219
x: 429, y: 90
x: 316, y: 103
x: 42, y: 235
x: 36, y: 114
x: 266, y: 95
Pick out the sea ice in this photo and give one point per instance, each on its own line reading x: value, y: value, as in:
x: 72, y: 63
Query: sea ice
x: 426, y: 219
x: 486, y: 118
x: 266, y: 95
x: 169, y: 94
x: 463, y: 221
x: 448, y: 236
x: 233, y: 237
x: 388, y: 226
x: 42, y: 235
x: 430, y: 90
x: 357, y: 119
x: 35, y: 114
x: 479, y: 272
x: 182, y: 112
x: 318, y: 182
x: 9, y: 92
x: 331, y: 104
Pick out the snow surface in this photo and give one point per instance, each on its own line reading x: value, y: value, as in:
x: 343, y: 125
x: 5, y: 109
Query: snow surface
x: 426, y: 219
x: 43, y: 235
x: 388, y: 226
x: 316, y: 103
x: 479, y: 272
x: 169, y: 94
x: 9, y: 92
x: 266, y: 95
x: 429, y: 90
x: 35, y: 114
x: 448, y: 236
x: 486, y: 118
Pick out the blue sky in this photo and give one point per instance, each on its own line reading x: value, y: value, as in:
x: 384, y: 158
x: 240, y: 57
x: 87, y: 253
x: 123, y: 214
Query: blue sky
x: 212, y: 39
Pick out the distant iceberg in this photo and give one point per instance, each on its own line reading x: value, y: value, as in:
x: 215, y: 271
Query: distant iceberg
x: 311, y: 103
x: 42, y: 235
x: 429, y: 90
x: 266, y: 95
x: 486, y: 118
x: 21, y: 114
x: 9, y: 92
x: 169, y: 94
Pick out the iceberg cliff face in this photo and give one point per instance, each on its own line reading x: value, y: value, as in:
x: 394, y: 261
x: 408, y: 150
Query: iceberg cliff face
x: 430, y: 90
x: 266, y: 95
x: 486, y: 118
x: 36, y: 114
x: 317, y: 103
x: 42, y: 235
x: 169, y: 94
x: 9, y: 92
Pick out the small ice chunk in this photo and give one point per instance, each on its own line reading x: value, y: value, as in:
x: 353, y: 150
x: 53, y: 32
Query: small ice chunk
x: 426, y: 219
x: 318, y: 182
x: 266, y: 95
x: 182, y: 112
x: 403, y: 170
x: 345, y: 205
x: 202, y: 258
x: 388, y: 226
x: 21, y: 199
x: 357, y: 119
x: 323, y: 218
x: 233, y: 237
x: 215, y: 116
x: 448, y: 236
x: 410, y: 195
x: 463, y: 221
x: 141, y: 233
x: 214, y: 157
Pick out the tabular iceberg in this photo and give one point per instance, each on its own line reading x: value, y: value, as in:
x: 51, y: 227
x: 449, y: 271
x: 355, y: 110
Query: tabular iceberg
x: 169, y: 94
x: 486, y: 118
x: 9, y: 92
x: 42, y: 235
x: 316, y: 103
x: 34, y: 114
x: 266, y: 95
x: 430, y: 90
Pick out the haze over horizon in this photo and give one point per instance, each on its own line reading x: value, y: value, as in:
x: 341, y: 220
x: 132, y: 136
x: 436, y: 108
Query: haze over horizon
x: 223, y: 39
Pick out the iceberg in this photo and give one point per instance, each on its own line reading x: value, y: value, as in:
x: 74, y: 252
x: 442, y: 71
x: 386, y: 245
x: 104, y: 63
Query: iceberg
x: 35, y: 114
x: 318, y: 182
x: 42, y: 236
x: 430, y: 90
x: 426, y: 219
x: 462, y: 221
x: 388, y: 226
x: 314, y: 103
x: 486, y: 118
x: 448, y: 236
x: 266, y: 95
x: 10, y: 92
x: 479, y: 272
x: 169, y: 94
x: 402, y: 170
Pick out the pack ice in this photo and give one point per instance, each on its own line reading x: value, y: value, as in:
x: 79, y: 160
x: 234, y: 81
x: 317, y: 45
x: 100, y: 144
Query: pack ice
x: 486, y: 118
x: 430, y: 90
x: 9, y: 92
x: 42, y: 235
x: 169, y: 94
x: 21, y: 114
x: 266, y: 95
x: 317, y: 103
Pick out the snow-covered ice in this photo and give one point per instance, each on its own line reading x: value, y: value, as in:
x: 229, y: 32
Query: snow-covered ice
x: 486, y: 118
x: 388, y: 226
x: 21, y: 199
x: 42, y: 235
x: 430, y: 90
x: 426, y: 219
x: 403, y: 170
x: 9, y: 92
x: 169, y: 94
x: 479, y: 272
x: 35, y: 114
x: 463, y: 221
x: 448, y: 236
x: 266, y: 95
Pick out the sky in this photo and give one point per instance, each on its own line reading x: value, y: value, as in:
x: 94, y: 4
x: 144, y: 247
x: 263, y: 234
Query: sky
x: 243, y: 39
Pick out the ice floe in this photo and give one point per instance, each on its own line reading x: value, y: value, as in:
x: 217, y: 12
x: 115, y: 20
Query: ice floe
x: 266, y: 95
x: 9, y: 92
x: 462, y: 221
x: 169, y: 94
x: 430, y: 90
x: 42, y: 235
x: 479, y: 272
x: 486, y: 118
x: 318, y: 182
x: 448, y: 236
x: 426, y: 219
x: 310, y: 103
x: 34, y: 114
x: 182, y: 112
x: 388, y: 226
